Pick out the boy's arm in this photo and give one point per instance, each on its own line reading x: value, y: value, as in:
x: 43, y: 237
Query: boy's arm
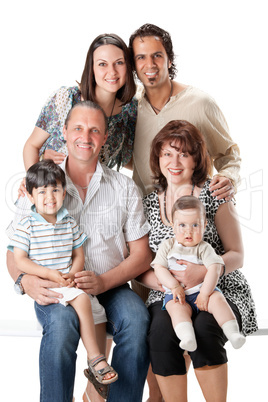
x: 38, y: 289
x: 23, y: 262
x: 78, y: 261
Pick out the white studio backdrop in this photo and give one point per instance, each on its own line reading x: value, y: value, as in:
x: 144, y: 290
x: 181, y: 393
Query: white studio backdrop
x: 221, y: 48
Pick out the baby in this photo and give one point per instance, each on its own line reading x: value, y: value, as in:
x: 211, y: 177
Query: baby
x: 189, y: 223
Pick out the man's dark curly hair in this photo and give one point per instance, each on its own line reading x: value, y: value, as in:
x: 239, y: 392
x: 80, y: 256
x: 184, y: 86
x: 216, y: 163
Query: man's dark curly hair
x: 164, y: 36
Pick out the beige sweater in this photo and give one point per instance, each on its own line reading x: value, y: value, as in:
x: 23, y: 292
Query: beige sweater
x: 198, y: 108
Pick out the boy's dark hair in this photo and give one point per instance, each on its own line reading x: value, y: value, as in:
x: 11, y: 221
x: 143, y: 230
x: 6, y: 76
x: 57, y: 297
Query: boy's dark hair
x: 44, y: 173
x: 188, y: 202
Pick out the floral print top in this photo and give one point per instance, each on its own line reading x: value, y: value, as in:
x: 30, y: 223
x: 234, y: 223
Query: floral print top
x: 117, y: 150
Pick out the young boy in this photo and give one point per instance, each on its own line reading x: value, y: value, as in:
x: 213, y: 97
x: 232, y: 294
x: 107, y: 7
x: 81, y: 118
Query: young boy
x: 48, y: 243
x: 189, y: 222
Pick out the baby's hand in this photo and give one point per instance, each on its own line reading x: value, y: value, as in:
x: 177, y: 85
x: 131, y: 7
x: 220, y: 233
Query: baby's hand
x: 56, y: 276
x: 178, y: 294
x: 202, y: 302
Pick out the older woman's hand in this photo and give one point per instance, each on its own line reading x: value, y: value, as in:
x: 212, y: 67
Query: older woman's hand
x: 222, y: 187
x: 192, y: 276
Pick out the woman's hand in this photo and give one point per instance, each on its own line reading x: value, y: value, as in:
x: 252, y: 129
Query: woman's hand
x: 57, y: 157
x: 192, y: 276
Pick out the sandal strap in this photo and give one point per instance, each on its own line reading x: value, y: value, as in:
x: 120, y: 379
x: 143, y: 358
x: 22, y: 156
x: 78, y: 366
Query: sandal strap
x: 105, y: 370
x: 96, y: 360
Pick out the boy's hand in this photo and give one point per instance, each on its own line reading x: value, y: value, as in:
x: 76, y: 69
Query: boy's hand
x: 56, y: 276
x: 178, y: 294
x: 202, y: 302
x: 69, y: 279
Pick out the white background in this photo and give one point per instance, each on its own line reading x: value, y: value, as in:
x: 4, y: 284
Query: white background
x: 221, y: 47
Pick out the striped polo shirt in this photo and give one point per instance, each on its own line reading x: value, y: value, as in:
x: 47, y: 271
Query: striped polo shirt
x: 111, y: 216
x: 47, y: 244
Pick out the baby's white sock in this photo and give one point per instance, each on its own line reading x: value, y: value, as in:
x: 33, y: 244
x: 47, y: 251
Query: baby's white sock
x: 185, y: 332
x: 231, y: 330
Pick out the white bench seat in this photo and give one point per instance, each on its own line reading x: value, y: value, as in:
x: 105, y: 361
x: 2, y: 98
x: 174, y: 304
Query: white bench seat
x: 263, y: 327
x: 32, y: 328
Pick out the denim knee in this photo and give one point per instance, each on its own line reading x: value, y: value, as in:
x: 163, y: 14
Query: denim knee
x: 125, y: 311
x: 57, y: 351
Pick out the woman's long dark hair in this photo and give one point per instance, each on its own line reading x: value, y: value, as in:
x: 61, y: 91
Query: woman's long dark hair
x: 88, y: 83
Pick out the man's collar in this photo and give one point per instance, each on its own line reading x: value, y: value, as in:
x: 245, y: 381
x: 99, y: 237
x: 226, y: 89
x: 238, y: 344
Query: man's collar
x: 63, y: 164
x: 99, y: 173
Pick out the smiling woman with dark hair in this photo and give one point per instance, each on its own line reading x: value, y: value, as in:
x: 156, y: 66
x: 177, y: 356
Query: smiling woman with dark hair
x: 191, y: 142
x: 107, y: 80
x: 180, y: 166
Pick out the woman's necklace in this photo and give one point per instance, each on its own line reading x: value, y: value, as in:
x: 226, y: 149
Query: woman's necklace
x: 155, y: 109
x: 164, y: 202
x: 165, y: 210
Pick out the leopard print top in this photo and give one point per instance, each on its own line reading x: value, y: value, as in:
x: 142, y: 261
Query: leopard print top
x: 234, y: 286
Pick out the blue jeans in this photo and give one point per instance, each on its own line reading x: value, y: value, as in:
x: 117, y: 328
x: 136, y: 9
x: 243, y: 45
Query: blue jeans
x: 128, y: 322
x: 57, y: 356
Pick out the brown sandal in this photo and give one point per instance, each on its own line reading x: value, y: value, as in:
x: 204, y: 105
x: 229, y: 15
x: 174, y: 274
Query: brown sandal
x: 96, y: 377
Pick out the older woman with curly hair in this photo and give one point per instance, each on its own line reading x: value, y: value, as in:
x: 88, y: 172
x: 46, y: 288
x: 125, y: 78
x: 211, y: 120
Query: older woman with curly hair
x: 180, y: 165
